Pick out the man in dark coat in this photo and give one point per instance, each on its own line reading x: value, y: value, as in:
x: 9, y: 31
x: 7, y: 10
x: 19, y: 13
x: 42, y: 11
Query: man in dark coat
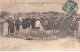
x: 33, y: 20
x: 24, y: 25
x: 50, y: 25
x: 9, y: 22
x: 74, y: 27
x: 28, y: 22
x: 17, y: 25
x: 10, y: 25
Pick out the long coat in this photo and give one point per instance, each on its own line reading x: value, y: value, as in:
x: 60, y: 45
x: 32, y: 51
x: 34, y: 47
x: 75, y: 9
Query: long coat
x: 24, y: 25
x: 11, y: 26
x: 17, y: 24
x: 33, y: 20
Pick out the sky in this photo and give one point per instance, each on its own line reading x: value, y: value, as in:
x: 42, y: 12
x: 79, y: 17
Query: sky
x: 15, y: 6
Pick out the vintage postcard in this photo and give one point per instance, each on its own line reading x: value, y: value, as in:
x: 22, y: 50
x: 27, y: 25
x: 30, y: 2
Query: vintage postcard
x: 39, y: 25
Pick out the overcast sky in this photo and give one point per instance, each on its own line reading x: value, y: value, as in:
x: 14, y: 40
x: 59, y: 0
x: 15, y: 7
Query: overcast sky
x: 33, y: 5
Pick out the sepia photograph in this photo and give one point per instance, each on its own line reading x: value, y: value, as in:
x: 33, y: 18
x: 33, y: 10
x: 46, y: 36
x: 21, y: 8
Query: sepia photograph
x: 39, y: 25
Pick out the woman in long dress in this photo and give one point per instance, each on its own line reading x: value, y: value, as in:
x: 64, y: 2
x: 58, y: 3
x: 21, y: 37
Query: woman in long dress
x: 11, y: 26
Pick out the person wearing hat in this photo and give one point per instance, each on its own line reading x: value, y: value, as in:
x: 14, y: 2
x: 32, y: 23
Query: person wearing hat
x: 10, y: 25
x: 17, y: 25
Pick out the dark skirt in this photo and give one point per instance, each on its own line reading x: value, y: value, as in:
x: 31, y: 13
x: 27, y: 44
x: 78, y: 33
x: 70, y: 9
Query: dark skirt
x: 24, y: 26
x: 12, y: 30
x: 11, y: 27
x: 33, y: 26
x: 28, y: 25
x: 38, y: 28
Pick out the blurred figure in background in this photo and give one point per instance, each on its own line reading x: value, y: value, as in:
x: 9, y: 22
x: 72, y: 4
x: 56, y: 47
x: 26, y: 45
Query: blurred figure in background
x: 1, y: 25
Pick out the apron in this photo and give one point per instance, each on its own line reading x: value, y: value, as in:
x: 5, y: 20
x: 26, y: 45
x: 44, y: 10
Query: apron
x: 37, y: 24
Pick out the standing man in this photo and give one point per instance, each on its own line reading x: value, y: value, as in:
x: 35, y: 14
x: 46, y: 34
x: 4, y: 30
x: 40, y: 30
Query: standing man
x: 9, y: 20
x: 28, y: 22
x: 76, y: 26
x: 17, y: 25
x: 10, y: 25
x: 33, y: 20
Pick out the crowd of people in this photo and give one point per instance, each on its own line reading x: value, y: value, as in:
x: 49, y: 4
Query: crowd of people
x: 65, y: 25
x: 24, y: 23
